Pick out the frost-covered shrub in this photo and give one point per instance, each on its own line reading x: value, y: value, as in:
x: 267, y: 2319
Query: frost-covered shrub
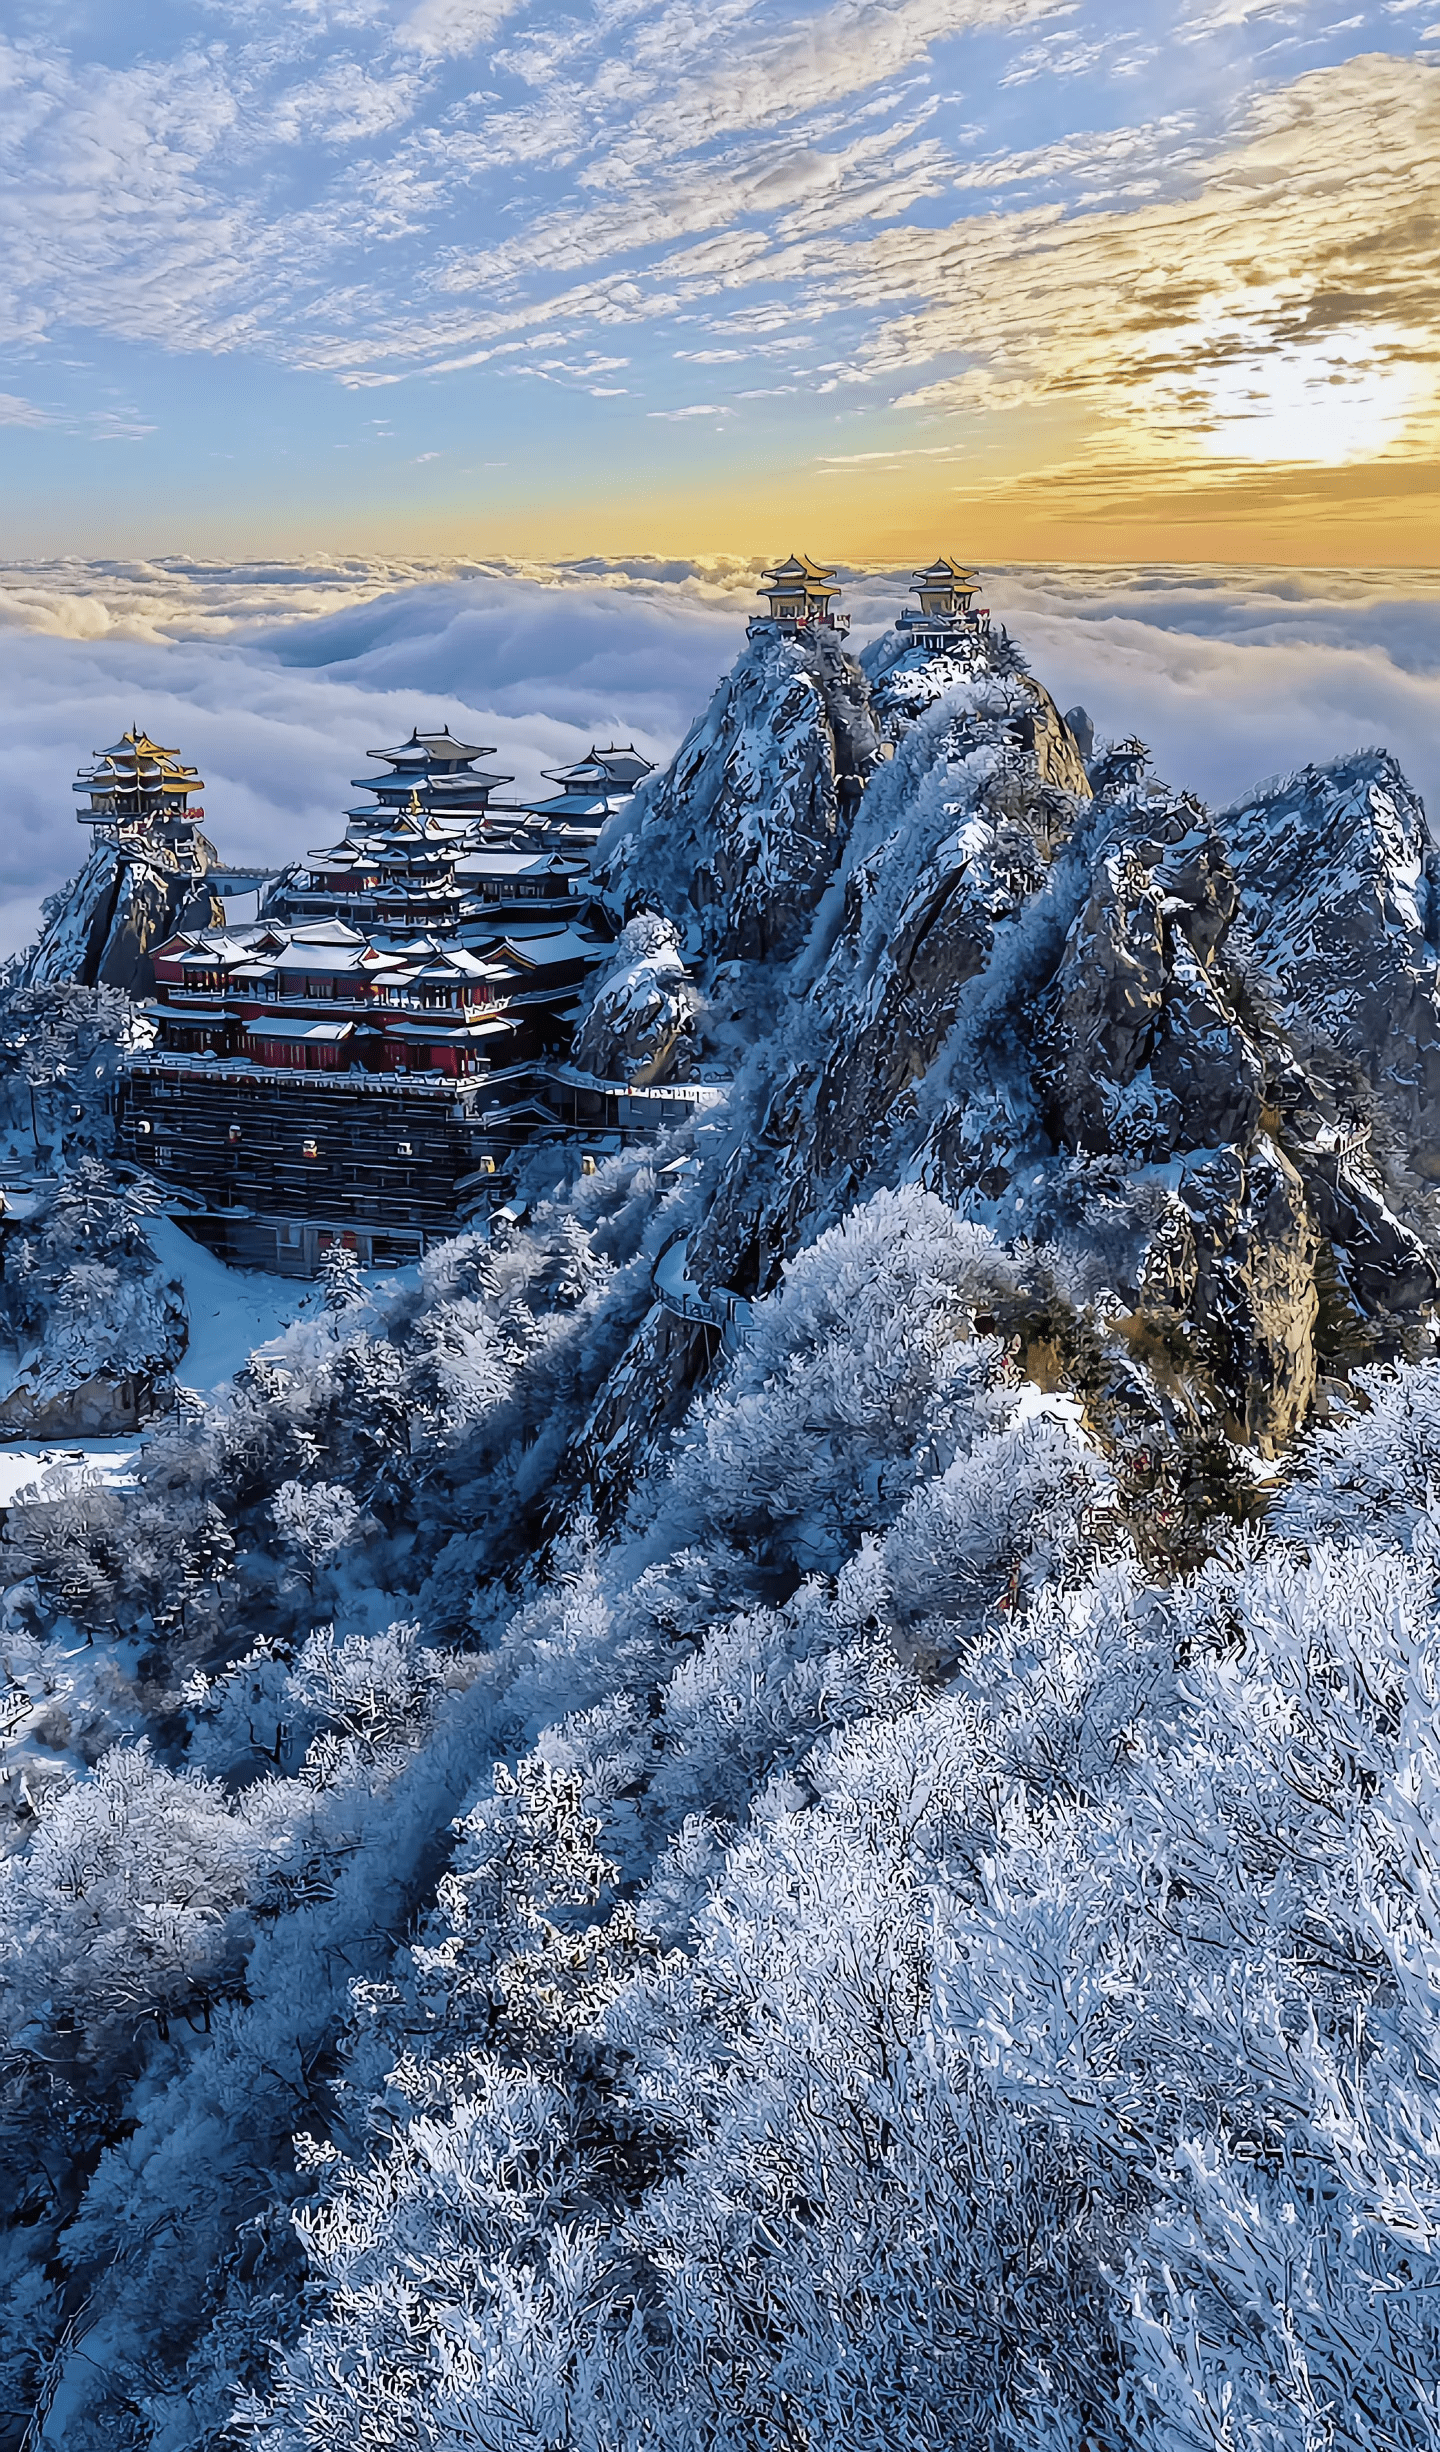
x: 908, y: 1981
x: 81, y: 1294
x: 60, y: 1046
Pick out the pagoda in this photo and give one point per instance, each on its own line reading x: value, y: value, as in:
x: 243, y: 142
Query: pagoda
x: 135, y: 788
x: 800, y: 595
x: 590, y: 792
x: 947, y: 612
x: 395, y: 868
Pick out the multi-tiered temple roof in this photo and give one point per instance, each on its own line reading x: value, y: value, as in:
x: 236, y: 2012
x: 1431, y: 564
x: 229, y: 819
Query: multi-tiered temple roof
x: 590, y: 792
x: 947, y: 611
x: 438, y: 937
x: 135, y: 784
x: 434, y: 773
x: 356, y: 1062
x: 800, y: 594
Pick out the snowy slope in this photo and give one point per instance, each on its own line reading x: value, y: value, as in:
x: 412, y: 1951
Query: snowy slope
x: 722, y: 1823
x: 230, y: 1312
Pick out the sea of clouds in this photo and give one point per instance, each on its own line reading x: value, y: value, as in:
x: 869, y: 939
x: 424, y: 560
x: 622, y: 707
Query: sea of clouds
x: 276, y: 680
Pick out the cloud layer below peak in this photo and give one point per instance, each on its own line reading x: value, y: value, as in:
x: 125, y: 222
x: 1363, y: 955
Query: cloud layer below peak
x: 273, y: 678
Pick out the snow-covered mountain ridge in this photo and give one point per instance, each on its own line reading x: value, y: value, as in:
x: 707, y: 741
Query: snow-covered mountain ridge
x: 1181, y: 1057
x: 857, y: 1878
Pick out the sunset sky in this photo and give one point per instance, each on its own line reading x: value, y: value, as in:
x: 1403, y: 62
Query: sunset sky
x: 1023, y: 278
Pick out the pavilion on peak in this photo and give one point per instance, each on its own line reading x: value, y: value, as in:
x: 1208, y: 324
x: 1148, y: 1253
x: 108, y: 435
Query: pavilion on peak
x: 800, y: 594
x: 135, y: 785
x: 947, y: 611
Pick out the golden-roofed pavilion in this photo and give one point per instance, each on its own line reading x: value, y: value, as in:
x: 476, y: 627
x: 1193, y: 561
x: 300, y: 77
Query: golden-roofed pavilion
x: 135, y: 781
x: 801, y: 594
x: 947, y: 610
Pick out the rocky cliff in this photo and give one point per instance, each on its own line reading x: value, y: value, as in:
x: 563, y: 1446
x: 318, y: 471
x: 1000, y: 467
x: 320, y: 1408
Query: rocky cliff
x: 1183, y: 1065
x: 739, y: 837
x: 639, y: 1022
x: 102, y: 928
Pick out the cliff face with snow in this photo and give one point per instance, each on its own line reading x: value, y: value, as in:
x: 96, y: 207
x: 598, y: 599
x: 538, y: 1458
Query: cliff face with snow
x: 102, y: 928
x: 1340, y: 885
x: 738, y: 838
x: 637, y: 1027
x: 1185, y: 1059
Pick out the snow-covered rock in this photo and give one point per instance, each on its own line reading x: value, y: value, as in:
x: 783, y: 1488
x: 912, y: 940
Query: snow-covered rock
x: 742, y: 830
x: 637, y: 1027
x: 1339, y: 882
x: 102, y: 928
x: 1037, y: 999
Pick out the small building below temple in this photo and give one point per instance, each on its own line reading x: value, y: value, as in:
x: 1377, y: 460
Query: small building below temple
x: 947, y: 612
x: 801, y: 596
x: 590, y: 792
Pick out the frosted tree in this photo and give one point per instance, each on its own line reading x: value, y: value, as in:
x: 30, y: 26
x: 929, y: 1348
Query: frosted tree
x: 343, y: 1281
x: 315, y: 1521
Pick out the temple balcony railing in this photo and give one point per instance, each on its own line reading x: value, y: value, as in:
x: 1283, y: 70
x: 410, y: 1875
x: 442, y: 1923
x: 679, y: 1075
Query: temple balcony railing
x: 158, y: 1065
x: 369, y: 1008
x: 976, y: 617
x: 798, y: 626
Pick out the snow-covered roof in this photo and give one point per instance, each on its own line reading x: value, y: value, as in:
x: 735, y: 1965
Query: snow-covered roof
x: 552, y: 946
x: 520, y: 864
x: 943, y: 572
x: 441, y: 746
x: 326, y: 932
x: 261, y: 1026
x: 614, y: 768
x: 797, y: 569
x: 441, y: 1029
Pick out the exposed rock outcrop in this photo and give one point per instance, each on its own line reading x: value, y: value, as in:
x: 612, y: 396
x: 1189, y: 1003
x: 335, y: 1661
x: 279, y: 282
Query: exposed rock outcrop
x: 743, y: 830
x: 638, y: 1026
x: 1339, y: 883
x: 1154, y: 1058
x: 1119, y: 1031
x: 103, y: 927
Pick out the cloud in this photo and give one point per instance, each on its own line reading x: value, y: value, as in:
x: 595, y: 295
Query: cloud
x: 1244, y: 274
x: 452, y: 28
x: 272, y: 678
x: 1303, y: 260
x: 345, y: 105
x: 843, y: 50
x: 17, y: 412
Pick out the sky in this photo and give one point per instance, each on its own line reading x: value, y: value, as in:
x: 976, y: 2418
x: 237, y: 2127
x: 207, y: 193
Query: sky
x: 1028, y: 280
x: 277, y: 680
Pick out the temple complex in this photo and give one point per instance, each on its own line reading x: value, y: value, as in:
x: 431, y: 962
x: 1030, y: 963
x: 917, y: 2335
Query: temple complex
x: 947, y: 611
x: 800, y: 594
x: 357, y: 1061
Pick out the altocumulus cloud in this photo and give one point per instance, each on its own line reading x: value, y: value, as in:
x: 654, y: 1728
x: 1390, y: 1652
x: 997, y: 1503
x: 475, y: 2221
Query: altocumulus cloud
x: 974, y: 208
x: 275, y: 680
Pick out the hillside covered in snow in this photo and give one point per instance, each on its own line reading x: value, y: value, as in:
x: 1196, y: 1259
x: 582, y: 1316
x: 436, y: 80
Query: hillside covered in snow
x: 793, y: 1804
